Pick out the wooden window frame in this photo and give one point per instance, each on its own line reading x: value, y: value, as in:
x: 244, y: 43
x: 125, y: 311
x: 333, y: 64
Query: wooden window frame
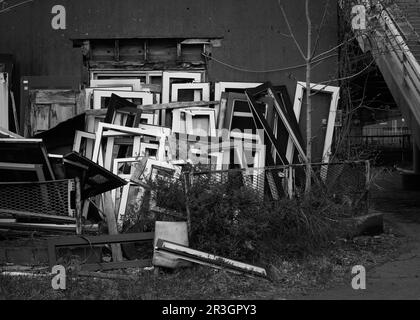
x: 37, y: 168
x: 134, y: 83
x: 287, y: 120
x: 89, y: 94
x: 189, y: 118
x: 335, y: 97
x: 143, y: 130
x: 4, y: 101
x: 195, y: 77
x: 221, y: 87
x: 201, y: 90
x: 147, y: 97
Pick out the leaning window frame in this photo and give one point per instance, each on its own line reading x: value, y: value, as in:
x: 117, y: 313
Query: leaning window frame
x: 297, y: 107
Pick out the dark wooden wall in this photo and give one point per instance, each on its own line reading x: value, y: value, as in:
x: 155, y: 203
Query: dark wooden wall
x: 253, y: 34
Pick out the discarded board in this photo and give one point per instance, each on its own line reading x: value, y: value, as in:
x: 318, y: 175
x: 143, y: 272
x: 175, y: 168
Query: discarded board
x: 176, y: 232
x: 211, y: 260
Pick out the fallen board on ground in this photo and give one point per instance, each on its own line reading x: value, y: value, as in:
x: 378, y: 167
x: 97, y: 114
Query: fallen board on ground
x: 214, y: 261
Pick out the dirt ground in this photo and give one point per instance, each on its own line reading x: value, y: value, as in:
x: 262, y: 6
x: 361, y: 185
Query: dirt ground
x: 399, y: 278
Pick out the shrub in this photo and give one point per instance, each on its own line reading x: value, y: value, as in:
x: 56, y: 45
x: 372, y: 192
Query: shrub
x: 232, y: 221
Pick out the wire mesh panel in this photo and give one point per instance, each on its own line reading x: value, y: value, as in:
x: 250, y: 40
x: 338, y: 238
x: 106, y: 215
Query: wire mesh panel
x: 53, y: 198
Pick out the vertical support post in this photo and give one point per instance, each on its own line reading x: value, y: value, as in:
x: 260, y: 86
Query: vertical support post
x: 290, y: 181
x: 78, y: 206
x: 187, y: 182
x: 416, y: 158
x: 15, y: 116
x: 112, y: 226
x: 368, y: 178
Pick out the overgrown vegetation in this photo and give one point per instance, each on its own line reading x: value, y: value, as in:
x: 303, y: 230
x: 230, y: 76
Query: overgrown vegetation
x: 230, y: 219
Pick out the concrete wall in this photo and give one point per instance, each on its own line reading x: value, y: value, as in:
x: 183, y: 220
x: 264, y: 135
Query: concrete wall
x: 253, y: 33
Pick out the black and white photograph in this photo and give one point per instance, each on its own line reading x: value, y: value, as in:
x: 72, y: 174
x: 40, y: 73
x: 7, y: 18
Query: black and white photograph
x: 210, y: 155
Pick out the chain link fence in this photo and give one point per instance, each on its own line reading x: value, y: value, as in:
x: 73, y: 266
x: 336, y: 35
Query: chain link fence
x: 346, y: 183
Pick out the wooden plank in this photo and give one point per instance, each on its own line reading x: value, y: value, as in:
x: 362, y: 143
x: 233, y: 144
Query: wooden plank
x: 103, y: 239
x: 43, y: 226
x: 55, y: 97
x: 99, y: 240
x: 177, y: 105
x: 40, y: 121
x: 208, y: 259
x: 38, y: 216
x: 10, y: 134
x: 60, y: 113
x: 111, y: 220
x: 15, y: 116
x: 4, y: 100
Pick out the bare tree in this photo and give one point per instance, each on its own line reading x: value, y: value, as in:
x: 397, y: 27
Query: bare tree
x: 308, y: 58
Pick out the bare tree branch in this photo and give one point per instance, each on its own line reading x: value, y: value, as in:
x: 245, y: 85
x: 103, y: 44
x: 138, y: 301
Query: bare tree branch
x: 318, y: 36
x: 308, y: 185
x: 292, y: 35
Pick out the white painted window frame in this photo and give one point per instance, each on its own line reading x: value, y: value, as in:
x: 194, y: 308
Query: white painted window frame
x: 98, y: 94
x: 189, y: 118
x: 94, y: 74
x: 201, y: 90
x: 147, y: 98
x: 134, y: 83
x: 220, y: 87
x: 143, y: 130
x: 166, y: 85
x: 89, y: 94
x: 297, y: 107
x: 4, y: 100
